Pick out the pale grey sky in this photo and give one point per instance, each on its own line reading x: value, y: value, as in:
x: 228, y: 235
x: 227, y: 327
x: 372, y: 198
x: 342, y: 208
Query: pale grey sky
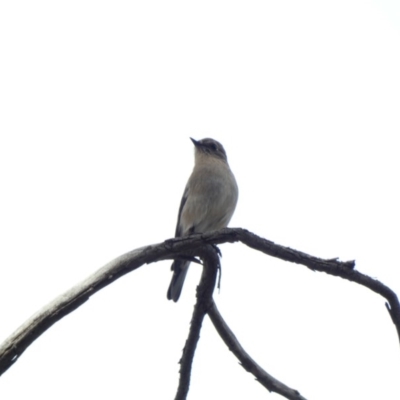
x: 98, y: 102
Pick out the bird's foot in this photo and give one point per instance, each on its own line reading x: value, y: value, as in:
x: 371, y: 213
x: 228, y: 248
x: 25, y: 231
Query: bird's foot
x: 216, y: 248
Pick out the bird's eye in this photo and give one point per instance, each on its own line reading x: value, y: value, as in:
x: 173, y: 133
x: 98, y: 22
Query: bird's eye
x: 213, y: 147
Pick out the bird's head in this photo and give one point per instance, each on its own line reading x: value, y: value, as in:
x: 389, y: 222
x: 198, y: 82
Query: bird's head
x: 209, y: 148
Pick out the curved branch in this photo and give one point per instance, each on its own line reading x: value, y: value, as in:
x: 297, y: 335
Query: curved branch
x: 12, y: 348
x: 268, y: 381
x: 18, y: 342
x: 333, y: 267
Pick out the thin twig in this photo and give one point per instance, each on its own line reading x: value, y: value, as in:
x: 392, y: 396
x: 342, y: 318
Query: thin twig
x: 267, y: 380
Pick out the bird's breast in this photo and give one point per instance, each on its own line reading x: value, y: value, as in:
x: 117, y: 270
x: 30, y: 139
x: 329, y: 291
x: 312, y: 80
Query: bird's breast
x: 212, y: 198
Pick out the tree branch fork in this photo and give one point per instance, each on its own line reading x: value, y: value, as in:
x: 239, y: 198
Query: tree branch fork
x: 203, y: 246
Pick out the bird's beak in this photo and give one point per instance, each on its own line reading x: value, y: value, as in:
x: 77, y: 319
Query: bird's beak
x: 195, y: 142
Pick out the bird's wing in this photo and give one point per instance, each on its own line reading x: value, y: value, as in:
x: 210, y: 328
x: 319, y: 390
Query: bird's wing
x: 178, y: 231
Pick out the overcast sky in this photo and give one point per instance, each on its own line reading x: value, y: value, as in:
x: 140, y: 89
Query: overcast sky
x: 98, y: 101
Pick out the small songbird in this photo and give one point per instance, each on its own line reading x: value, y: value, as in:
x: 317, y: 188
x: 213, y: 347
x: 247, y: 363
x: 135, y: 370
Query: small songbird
x: 208, y: 202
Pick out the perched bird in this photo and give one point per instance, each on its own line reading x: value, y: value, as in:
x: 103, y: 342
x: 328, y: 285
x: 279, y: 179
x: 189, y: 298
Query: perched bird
x: 208, y: 201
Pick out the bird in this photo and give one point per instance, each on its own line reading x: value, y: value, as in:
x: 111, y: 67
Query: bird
x: 208, y: 202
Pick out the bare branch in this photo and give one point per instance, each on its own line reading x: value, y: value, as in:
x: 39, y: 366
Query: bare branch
x: 268, y: 381
x: 333, y: 267
x: 204, y: 299
x: 18, y: 342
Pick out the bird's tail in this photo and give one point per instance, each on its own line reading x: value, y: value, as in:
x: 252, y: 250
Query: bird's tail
x: 180, y: 269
